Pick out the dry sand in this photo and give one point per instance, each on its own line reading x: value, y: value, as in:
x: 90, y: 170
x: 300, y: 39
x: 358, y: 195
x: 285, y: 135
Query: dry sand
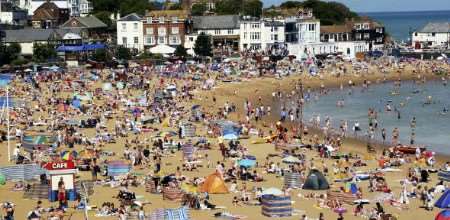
x: 226, y: 92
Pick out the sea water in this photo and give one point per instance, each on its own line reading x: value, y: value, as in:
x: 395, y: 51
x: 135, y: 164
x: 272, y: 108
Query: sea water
x: 432, y: 123
x: 400, y: 24
x: 5, y: 79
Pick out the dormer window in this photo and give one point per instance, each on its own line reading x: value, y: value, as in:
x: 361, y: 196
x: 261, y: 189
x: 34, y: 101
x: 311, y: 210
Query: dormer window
x: 174, y: 19
x: 149, y: 20
x: 161, y: 19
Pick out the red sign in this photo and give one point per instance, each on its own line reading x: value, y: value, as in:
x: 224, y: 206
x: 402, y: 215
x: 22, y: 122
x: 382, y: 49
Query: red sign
x: 62, y: 165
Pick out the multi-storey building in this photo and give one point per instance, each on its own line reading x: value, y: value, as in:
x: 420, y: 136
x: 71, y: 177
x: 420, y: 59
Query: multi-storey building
x: 130, y: 32
x: 223, y: 29
x: 261, y: 34
x: 432, y: 35
x: 164, y: 27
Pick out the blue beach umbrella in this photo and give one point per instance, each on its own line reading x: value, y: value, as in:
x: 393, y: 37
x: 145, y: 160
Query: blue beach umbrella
x: 444, y: 201
x: 230, y: 136
x: 247, y: 163
x: 444, y: 215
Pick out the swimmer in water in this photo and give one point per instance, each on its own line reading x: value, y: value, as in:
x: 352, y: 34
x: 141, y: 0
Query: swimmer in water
x: 388, y: 107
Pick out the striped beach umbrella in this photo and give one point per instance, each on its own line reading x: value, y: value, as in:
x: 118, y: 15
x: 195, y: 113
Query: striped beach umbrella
x: 444, y: 215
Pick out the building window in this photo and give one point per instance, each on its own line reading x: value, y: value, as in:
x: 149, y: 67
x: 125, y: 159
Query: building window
x: 136, y: 40
x: 380, y: 40
x: 217, y: 32
x: 135, y: 26
x: 161, y: 19
x: 366, y: 26
x: 161, y: 40
x: 275, y: 37
x: 174, y: 39
x: 311, y: 27
x: 191, y: 39
x: 366, y: 36
x: 149, y: 20
x: 150, y: 40
x: 254, y: 25
x: 245, y: 35
x: 124, y: 26
x: 175, y: 30
x: 358, y: 26
x: 433, y: 34
x: 124, y: 41
x: 149, y: 30
x: 174, y: 19
x: 162, y: 31
x: 230, y: 31
x: 380, y: 30
x: 358, y: 36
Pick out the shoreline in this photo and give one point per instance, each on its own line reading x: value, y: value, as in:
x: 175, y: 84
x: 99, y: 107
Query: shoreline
x: 251, y: 89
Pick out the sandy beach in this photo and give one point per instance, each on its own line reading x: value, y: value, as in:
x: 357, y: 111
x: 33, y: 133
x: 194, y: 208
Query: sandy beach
x: 251, y: 89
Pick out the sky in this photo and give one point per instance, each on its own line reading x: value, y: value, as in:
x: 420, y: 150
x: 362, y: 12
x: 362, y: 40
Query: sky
x: 386, y: 5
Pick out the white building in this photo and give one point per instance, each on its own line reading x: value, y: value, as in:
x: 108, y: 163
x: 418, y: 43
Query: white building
x: 76, y: 7
x: 130, y: 32
x: 261, y: 34
x: 224, y: 30
x: 11, y: 14
x: 303, y: 36
x: 432, y: 35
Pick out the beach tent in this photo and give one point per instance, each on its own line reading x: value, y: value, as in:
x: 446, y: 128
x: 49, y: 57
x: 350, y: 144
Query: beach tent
x: 118, y: 167
x: 444, y: 201
x: 316, y: 181
x: 214, y: 184
x: 444, y: 175
x: 107, y: 86
x: 444, y: 215
x: 276, y: 206
x: 292, y: 180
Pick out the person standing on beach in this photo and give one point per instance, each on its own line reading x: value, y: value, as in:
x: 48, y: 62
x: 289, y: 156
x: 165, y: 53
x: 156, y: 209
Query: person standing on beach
x: 395, y: 134
x: 383, y: 135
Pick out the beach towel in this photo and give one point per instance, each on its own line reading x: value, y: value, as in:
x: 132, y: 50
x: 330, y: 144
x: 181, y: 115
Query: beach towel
x: 158, y: 214
x: 181, y: 213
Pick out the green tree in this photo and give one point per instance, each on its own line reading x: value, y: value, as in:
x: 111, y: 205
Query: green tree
x: 291, y: 4
x: 203, y: 46
x: 8, y: 53
x: 135, y: 6
x: 104, y: 16
x: 175, y: 6
x: 228, y: 7
x: 180, y: 51
x: 43, y: 52
x: 252, y: 8
x: 198, y: 9
x: 106, y: 5
x: 123, y: 53
x: 101, y: 55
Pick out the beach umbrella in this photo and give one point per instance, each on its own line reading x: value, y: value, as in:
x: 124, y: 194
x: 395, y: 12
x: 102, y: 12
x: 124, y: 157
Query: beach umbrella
x: 107, y: 86
x: 69, y: 155
x: 118, y: 167
x: 272, y: 191
x: 230, y: 136
x: 340, y: 210
x: 444, y: 201
x: 247, y: 163
x: 444, y: 215
x: 291, y: 160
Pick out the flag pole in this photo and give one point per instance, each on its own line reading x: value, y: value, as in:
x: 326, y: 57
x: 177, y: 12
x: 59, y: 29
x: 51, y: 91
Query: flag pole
x: 8, y: 126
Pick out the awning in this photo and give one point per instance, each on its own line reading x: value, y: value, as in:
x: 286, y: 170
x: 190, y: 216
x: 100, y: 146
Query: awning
x: 162, y: 49
x: 80, y: 48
